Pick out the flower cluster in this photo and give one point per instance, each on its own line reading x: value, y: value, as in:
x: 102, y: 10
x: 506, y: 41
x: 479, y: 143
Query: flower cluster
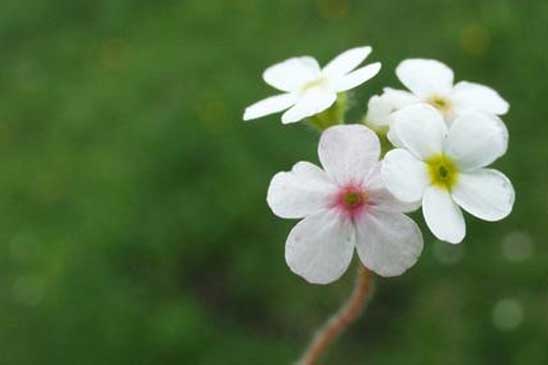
x: 444, y: 137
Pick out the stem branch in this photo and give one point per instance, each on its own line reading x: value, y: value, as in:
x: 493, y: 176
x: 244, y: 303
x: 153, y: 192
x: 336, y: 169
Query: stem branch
x: 347, y: 314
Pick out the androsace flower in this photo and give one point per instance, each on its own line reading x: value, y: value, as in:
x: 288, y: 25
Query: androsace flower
x: 381, y: 107
x: 344, y: 207
x: 445, y: 168
x: 431, y: 82
x: 308, y: 89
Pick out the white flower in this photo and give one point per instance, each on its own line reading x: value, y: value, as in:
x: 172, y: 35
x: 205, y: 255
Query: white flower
x: 445, y: 168
x: 345, y: 206
x: 431, y: 82
x: 381, y: 107
x: 309, y: 90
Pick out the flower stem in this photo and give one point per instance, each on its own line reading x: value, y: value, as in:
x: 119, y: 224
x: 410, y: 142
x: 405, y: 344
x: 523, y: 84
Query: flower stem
x: 332, y: 116
x: 347, y: 314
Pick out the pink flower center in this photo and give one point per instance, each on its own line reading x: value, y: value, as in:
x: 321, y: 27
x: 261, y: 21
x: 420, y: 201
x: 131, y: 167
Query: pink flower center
x: 351, y: 200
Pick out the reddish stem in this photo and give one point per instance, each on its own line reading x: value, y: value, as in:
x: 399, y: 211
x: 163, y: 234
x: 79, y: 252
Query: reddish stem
x: 347, y: 314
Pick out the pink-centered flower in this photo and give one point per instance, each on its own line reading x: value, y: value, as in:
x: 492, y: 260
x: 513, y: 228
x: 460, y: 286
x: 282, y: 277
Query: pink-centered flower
x: 343, y: 207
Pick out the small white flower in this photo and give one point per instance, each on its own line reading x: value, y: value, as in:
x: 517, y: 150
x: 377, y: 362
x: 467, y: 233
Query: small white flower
x: 381, y: 107
x: 345, y: 206
x: 445, y: 168
x: 309, y: 90
x: 431, y: 82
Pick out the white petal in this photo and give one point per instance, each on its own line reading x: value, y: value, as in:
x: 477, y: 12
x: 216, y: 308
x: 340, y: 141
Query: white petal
x: 313, y: 102
x: 373, y: 180
x: 380, y: 107
x: 379, y: 196
x: 271, y: 105
x: 485, y: 193
x: 357, y: 77
x: 293, y: 73
x: 393, y: 137
x: 320, y: 247
x: 405, y: 176
x: 388, y: 243
x: 425, y: 77
x: 476, y: 139
x: 378, y: 112
x: 400, y: 98
x: 384, y: 200
x: 421, y: 129
x: 303, y: 191
x: 349, y: 152
x: 469, y: 95
x: 442, y: 215
x: 346, y: 61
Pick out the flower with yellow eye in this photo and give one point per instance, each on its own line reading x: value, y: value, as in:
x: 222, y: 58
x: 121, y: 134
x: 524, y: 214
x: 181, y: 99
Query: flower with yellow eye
x: 445, y: 168
x: 431, y: 82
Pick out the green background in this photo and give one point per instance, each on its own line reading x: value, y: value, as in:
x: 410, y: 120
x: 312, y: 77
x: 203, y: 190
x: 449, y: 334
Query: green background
x: 134, y: 228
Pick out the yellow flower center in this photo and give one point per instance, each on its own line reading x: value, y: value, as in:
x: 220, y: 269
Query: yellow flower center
x: 319, y: 82
x: 440, y: 103
x: 442, y: 171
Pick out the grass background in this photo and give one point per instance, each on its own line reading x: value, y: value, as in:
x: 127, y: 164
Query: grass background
x: 134, y: 228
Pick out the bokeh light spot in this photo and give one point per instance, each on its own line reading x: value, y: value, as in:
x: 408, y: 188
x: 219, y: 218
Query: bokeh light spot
x: 29, y: 290
x: 507, y: 314
x: 475, y: 39
x: 330, y: 9
x: 517, y: 246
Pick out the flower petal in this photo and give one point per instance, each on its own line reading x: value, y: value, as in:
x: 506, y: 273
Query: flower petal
x: 476, y: 140
x: 487, y: 194
x: 388, y: 243
x: 271, y: 105
x: 303, y: 191
x: 357, y: 77
x: 442, y: 215
x: 349, y: 152
x: 320, y: 247
x: 380, y: 107
x: 378, y: 112
x: 393, y: 138
x: 384, y: 200
x: 379, y: 196
x: 405, y: 176
x: 313, y: 102
x: 346, y: 61
x: 421, y: 129
x: 425, y: 77
x: 293, y: 73
x: 469, y: 95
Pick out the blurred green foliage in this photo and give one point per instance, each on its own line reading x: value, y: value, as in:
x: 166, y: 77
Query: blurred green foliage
x: 134, y: 226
